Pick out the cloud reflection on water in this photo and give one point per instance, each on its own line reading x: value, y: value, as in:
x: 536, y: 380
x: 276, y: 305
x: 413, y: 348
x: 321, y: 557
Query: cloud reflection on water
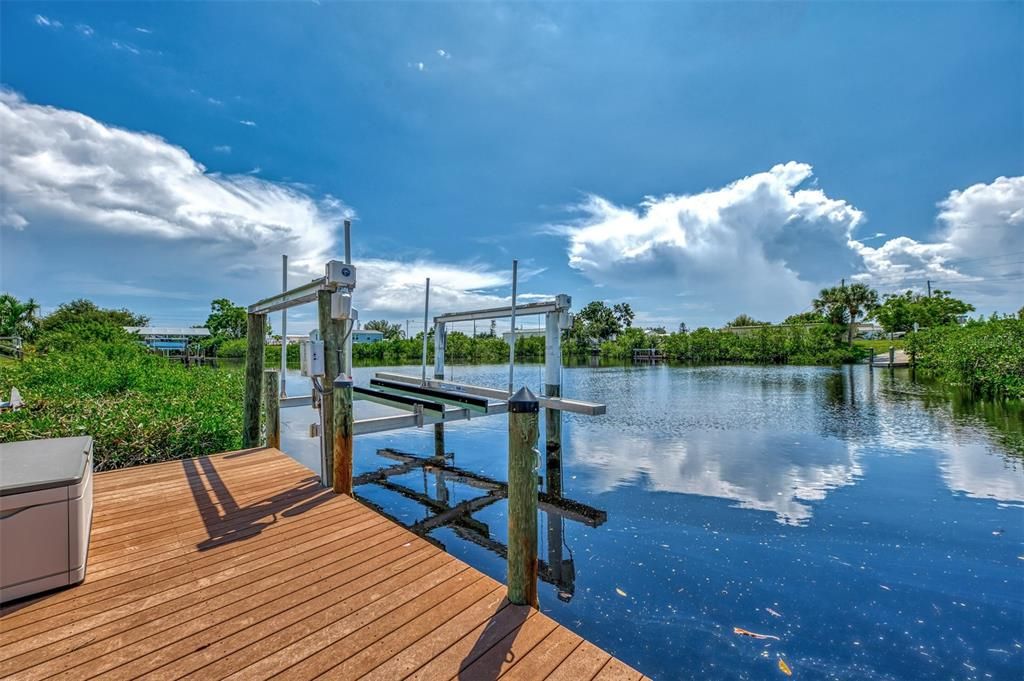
x: 776, y: 472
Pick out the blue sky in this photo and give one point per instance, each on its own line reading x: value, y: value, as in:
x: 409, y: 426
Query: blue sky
x: 697, y: 160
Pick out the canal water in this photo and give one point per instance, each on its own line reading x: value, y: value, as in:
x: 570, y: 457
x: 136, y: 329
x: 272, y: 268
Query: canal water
x: 863, y: 525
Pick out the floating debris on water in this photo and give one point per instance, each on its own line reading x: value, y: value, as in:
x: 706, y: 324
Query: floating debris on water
x: 751, y: 634
x: 784, y: 668
x: 620, y: 592
x: 885, y: 587
x: 773, y: 613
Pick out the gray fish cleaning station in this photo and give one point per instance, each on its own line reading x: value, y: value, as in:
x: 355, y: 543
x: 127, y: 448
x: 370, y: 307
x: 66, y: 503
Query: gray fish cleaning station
x: 326, y: 359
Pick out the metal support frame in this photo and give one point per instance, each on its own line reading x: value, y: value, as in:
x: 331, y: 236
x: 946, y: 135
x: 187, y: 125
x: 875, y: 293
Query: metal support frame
x: 502, y: 312
x: 559, y: 403
x: 300, y: 295
x: 556, y: 318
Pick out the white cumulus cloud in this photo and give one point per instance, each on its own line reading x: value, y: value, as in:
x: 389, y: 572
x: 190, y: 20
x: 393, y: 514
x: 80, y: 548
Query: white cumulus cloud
x: 766, y: 243
x: 978, y: 247
x: 123, y: 213
x: 61, y: 165
x: 761, y: 244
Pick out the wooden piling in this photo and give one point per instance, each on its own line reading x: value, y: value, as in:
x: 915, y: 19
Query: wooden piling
x: 271, y: 408
x: 523, y: 431
x: 439, y: 440
x: 342, y: 434
x: 332, y: 333
x: 256, y: 331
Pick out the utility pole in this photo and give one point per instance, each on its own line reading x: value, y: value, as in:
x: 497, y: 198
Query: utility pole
x: 929, y: 282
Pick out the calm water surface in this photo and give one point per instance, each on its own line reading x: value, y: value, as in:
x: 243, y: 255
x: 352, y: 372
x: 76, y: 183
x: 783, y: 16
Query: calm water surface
x: 872, y: 524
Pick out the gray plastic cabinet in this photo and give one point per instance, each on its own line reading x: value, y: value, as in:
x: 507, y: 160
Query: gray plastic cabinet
x: 45, y: 514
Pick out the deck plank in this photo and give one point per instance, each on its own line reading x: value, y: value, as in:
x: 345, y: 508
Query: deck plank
x: 240, y: 565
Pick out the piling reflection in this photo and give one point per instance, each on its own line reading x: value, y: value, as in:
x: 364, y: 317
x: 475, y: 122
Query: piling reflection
x: 557, y: 568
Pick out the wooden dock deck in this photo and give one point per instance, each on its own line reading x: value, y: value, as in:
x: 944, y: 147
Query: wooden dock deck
x: 242, y: 566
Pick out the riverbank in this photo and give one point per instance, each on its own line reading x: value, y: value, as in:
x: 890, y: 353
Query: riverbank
x: 142, y: 408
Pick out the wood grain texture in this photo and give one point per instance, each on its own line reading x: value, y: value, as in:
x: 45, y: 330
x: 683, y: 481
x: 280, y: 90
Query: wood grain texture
x: 241, y: 565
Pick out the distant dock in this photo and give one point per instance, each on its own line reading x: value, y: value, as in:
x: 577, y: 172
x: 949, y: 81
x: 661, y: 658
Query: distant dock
x: 894, y: 359
x: 648, y: 355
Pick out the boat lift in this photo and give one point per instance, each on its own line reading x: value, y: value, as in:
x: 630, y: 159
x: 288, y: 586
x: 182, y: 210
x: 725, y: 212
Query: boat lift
x: 327, y: 359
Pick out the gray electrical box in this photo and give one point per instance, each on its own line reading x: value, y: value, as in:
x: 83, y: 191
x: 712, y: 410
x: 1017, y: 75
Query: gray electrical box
x: 45, y: 514
x: 341, y: 273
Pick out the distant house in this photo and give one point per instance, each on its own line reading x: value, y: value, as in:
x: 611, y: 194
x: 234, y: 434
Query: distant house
x: 367, y: 336
x: 358, y: 336
x: 168, y: 339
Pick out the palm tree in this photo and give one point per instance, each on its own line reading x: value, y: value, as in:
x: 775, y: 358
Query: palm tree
x: 17, y: 318
x: 845, y: 304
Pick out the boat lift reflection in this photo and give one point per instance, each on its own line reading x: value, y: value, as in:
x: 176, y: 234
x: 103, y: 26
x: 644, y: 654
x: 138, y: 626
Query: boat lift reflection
x: 558, y: 570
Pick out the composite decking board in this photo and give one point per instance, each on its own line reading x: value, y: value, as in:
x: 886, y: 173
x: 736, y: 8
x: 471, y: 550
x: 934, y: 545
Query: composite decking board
x: 246, y: 647
x: 126, y: 505
x: 582, y: 664
x: 467, y: 649
x: 236, y: 563
x: 241, y: 565
x: 217, y: 564
x: 550, y: 653
x: 405, y: 662
x: 106, y: 558
x: 202, y: 640
x: 197, y: 527
x: 171, y: 501
x: 246, y: 472
x: 504, y: 654
x: 136, y: 626
x: 113, y: 610
x: 615, y: 670
x: 237, y: 560
x: 404, y: 632
x: 317, y: 653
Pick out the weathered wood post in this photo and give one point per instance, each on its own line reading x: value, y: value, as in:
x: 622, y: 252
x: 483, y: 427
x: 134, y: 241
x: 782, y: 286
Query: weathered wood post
x: 332, y: 333
x: 892, y: 357
x: 256, y: 331
x: 523, y: 431
x: 343, y: 432
x: 271, y: 408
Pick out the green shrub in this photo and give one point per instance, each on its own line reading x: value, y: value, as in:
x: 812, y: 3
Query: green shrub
x: 797, y: 344
x: 138, y: 407
x: 232, y: 347
x: 983, y: 356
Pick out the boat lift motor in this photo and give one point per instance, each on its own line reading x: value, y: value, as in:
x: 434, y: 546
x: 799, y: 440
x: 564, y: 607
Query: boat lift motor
x: 342, y: 275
